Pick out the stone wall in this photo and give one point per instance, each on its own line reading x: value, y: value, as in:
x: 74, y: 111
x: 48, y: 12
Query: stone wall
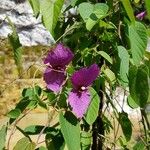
x: 30, y: 29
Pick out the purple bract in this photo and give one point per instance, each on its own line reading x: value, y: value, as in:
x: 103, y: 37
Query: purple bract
x: 57, y: 60
x: 79, y: 97
x: 141, y: 15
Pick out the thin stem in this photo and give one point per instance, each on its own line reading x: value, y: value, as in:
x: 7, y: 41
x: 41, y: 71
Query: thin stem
x: 145, y: 131
x: 14, y: 127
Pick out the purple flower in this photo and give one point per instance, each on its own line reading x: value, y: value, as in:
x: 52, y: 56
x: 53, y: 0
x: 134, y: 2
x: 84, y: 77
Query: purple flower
x: 141, y: 15
x: 79, y: 97
x: 57, y: 60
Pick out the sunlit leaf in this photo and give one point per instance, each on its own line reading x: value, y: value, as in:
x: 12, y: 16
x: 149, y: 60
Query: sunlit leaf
x: 35, y: 4
x: 109, y: 75
x: 124, y: 65
x: 100, y: 11
x: 86, y: 140
x: 129, y: 9
x: 106, y: 56
x: 85, y: 10
x: 131, y: 102
x: 50, y: 11
x: 24, y: 144
x: 93, y: 108
x: 138, y: 40
x: 70, y: 129
x: 15, y: 113
x: 91, y: 13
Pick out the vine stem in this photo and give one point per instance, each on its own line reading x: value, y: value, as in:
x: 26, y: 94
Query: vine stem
x: 14, y: 127
x: 144, y: 126
x: 50, y: 117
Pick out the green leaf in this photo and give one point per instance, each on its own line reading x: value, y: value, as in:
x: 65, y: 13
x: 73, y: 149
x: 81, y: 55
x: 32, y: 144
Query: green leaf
x: 75, y: 2
x: 35, y: 4
x: 23, y: 132
x: 85, y: 10
x: 3, y: 132
x: 138, y: 39
x: 86, y: 140
x: 129, y: 10
x: 42, y: 148
x: 93, y: 109
x: 100, y: 11
x: 139, y: 85
x: 92, y: 13
x: 109, y: 75
x: 70, y: 129
x: 125, y: 125
x: 16, y: 46
x: 24, y: 144
x: 50, y: 11
x: 15, y: 113
x: 36, y: 129
x: 139, y: 146
x: 22, y: 105
x: 55, y: 141
x: 147, y: 3
x: 105, y: 55
x: 131, y: 102
x: 124, y: 65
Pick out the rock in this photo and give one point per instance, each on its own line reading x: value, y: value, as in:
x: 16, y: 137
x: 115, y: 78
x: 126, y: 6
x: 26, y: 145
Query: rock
x: 30, y: 30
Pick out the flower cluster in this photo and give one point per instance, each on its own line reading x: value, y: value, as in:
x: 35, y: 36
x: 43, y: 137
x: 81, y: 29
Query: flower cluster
x: 55, y: 75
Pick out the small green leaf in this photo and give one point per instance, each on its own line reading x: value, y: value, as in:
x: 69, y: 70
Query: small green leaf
x: 3, y: 132
x: 50, y: 11
x: 24, y: 144
x: 147, y: 3
x: 70, y: 129
x: 131, y: 102
x: 16, y: 46
x: 139, y: 84
x: 105, y: 55
x: 35, y: 4
x: 93, y: 109
x: 85, y: 10
x: 110, y: 75
x: 86, y: 140
x: 23, y: 132
x: 124, y: 65
x: 42, y: 148
x: 55, y: 141
x: 100, y: 11
x: 36, y: 129
x: 125, y: 125
x: 129, y: 10
x: 15, y: 113
x: 138, y: 39
x: 139, y: 146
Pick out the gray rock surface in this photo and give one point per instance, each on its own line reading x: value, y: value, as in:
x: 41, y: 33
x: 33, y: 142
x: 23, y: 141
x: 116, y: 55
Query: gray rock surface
x: 30, y: 29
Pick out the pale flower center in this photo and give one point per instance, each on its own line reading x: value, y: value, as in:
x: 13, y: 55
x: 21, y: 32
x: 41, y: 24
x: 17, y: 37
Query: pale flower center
x: 83, y: 88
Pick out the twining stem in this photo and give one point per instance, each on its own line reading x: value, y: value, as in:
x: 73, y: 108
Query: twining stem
x: 145, y: 130
x: 14, y: 127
